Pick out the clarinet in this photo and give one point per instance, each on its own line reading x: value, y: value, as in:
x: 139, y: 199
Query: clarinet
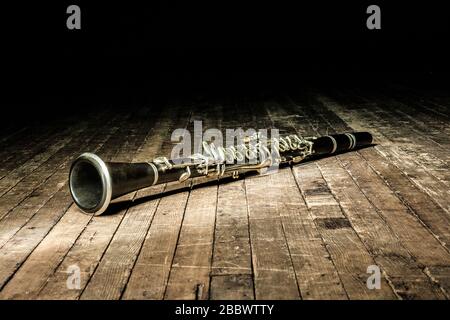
x: 94, y: 183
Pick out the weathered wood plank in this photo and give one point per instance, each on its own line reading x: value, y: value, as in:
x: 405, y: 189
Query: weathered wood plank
x: 404, y: 274
x: 20, y: 150
x: 430, y: 137
x: 260, y: 229
x: 189, y: 276
x: 231, y: 246
x: 90, y: 246
x: 21, y: 134
x: 333, y: 225
x: 432, y: 214
x: 314, y: 272
x: 149, y: 276
x: 308, y: 232
x: 403, y: 149
x: 55, y: 163
x: 33, y: 146
x: 232, y: 287
x: 274, y: 274
x: 394, y: 148
x: 422, y: 109
x: 417, y: 239
x: 426, y: 141
x: 113, y: 271
x: 48, y: 148
x: 347, y: 251
x: 418, y: 287
x: 231, y: 274
x: 30, y: 206
x: 434, y: 101
x: 16, y: 250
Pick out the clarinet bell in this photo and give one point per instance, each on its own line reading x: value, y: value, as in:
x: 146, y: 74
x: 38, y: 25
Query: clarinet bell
x: 94, y: 183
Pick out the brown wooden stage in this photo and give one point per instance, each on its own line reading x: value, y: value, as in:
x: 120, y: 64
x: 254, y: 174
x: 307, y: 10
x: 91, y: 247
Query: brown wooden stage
x: 306, y: 232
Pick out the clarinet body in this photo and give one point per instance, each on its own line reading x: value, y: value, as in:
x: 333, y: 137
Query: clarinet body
x: 94, y: 183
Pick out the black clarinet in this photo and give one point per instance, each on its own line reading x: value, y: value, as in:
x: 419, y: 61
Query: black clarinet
x: 94, y: 183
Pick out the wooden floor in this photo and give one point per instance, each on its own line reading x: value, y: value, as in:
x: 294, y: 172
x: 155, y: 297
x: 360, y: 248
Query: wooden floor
x: 312, y: 231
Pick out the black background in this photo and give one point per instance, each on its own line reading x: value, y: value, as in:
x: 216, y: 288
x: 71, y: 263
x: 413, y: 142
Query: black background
x: 136, y: 51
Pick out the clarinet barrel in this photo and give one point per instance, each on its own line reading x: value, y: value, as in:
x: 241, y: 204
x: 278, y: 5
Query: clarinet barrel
x: 337, y: 143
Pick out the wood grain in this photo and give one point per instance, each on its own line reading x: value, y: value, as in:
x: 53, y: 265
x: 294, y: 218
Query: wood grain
x: 308, y: 231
